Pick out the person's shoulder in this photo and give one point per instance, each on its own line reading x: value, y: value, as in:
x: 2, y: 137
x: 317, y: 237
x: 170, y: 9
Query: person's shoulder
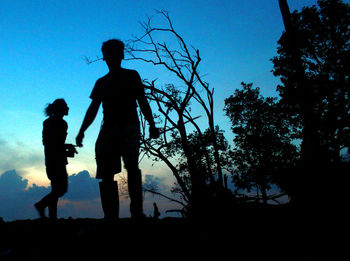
x: 54, y: 120
x: 131, y: 72
x: 102, y: 80
x: 47, y: 121
x: 97, y: 91
x: 64, y: 122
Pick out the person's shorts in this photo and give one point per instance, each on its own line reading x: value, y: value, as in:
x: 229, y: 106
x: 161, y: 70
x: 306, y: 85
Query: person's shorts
x: 114, y: 143
x: 58, y: 177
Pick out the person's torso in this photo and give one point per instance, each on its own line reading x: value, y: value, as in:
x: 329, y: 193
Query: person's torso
x: 54, y: 138
x: 119, y: 95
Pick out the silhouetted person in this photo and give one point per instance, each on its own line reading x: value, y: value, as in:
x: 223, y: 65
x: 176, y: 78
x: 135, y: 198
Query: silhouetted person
x: 55, y: 149
x: 119, y: 91
x: 156, y: 212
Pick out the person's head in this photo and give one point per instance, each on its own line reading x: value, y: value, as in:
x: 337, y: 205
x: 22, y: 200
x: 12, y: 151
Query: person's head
x: 113, y: 52
x: 58, y: 108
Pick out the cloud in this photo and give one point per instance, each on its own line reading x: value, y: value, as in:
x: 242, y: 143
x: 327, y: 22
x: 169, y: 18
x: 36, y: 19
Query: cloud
x: 17, y: 155
x: 10, y: 182
x: 151, y: 181
x: 17, y: 199
x: 81, y: 201
x: 82, y: 187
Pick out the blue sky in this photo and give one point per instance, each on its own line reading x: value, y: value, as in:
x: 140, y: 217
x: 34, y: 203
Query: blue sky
x: 43, y: 42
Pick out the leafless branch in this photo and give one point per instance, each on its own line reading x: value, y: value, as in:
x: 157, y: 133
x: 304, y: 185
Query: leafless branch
x: 173, y: 104
x: 88, y: 60
x: 164, y: 196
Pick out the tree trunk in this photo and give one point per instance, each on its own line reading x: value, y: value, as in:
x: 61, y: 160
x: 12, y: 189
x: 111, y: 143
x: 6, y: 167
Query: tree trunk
x: 310, y: 146
x: 216, y: 153
x: 198, y: 195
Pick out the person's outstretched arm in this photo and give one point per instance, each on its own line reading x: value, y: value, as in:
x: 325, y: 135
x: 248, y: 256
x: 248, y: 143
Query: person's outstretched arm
x: 88, y: 119
x: 145, y: 108
x: 147, y: 112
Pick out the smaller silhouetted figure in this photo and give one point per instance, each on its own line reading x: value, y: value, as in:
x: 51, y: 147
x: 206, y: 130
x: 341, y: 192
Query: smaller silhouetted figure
x: 56, y: 151
x: 156, y: 212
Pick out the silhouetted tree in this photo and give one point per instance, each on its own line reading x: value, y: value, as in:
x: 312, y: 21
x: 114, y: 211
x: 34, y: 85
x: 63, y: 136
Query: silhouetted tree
x: 313, y: 64
x: 263, y: 141
x: 174, y: 106
x: 323, y: 42
x: 203, y: 154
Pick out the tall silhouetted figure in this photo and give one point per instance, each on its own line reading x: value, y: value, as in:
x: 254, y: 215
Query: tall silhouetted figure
x: 119, y: 91
x: 55, y: 149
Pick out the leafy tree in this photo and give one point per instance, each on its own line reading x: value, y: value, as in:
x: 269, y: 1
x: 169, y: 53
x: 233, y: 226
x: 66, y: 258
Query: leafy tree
x: 203, y: 154
x: 263, y: 140
x: 313, y: 63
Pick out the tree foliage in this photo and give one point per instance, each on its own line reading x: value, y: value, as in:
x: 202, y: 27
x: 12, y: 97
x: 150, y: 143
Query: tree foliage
x: 263, y: 139
x: 320, y: 44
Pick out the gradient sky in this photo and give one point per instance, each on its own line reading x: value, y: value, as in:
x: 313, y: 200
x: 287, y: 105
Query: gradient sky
x: 43, y: 42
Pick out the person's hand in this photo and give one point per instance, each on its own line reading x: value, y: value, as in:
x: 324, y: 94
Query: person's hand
x: 79, y: 139
x: 70, y: 150
x: 153, y: 132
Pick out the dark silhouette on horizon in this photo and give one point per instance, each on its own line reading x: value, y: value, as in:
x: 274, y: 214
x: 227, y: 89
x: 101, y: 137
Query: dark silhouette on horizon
x: 119, y: 91
x: 156, y: 213
x: 56, y: 152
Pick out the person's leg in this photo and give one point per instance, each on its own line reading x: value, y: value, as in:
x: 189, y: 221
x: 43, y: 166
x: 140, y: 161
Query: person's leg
x: 41, y: 205
x: 50, y: 201
x: 59, y: 186
x: 53, y: 208
x: 109, y: 198
x: 108, y: 163
x: 135, y: 192
x: 130, y: 154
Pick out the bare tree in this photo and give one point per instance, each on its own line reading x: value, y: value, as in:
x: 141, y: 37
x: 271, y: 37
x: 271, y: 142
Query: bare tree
x: 174, y: 105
